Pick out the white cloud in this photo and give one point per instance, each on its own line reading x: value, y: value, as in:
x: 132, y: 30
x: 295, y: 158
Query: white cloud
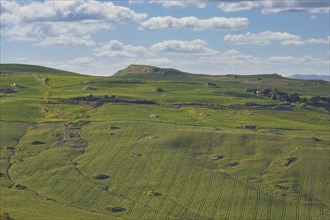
x: 197, y: 47
x: 193, y: 23
x: 48, y: 23
x: 267, y: 37
x: 231, y: 58
x: 306, y: 60
x: 118, y: 49
x: 263, y: 38
x: 307, y: 41
x: 65, y: 41
x: 137, y: 2
x: 275, y: 6
x: 87, y: 61
x: 180, y: 3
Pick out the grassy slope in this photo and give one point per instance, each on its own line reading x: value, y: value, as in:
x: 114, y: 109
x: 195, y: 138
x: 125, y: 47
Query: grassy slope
x: 24, y: 68
x: 176, y: 163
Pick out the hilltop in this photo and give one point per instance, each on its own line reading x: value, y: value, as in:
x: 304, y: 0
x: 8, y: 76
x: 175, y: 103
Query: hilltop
x: 135, y: 70
x: 6, y: 69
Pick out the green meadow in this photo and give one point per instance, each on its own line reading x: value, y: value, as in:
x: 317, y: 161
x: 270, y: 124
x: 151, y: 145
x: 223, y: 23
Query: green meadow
x: 85, y: 147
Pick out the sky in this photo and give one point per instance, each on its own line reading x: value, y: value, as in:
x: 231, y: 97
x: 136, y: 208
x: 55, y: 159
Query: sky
x: 200, y: 36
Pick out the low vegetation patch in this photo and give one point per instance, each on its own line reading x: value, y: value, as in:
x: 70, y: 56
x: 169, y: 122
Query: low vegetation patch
x: 154, y: 116
x: 88, y: 88
x: 115, y: 209
x: 97, y: 101
x: 233, y: 163
x: 135, y: 155
x: 248, y: 127
x: 159, y: 90
x: 216, y: 157
x: 101, y: 176
x: 153, y: 193
x: 286, y: 161
x: 37, y: 142
x: 212, y: 85
x: 315, y: 139
x: 20, y: 187
x: 7, y: 90
x: 4, y: 216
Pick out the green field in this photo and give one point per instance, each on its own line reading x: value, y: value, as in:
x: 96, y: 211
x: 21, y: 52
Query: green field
x: 55, y: 144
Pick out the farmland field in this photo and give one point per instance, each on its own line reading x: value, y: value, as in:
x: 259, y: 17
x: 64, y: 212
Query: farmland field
x: 202, y: 152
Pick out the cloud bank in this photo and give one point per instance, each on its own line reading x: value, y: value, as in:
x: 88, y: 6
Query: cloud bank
x: 62, y: 23
x: 193, y: 23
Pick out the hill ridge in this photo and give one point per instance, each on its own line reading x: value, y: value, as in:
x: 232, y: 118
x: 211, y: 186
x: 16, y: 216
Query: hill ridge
x: 136, y: 69
x: 16, y: 68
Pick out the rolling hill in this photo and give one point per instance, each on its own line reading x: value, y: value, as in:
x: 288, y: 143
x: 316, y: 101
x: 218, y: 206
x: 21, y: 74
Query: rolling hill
x: 154, y: 143
x: 31, y: 69
x: 136, y: 70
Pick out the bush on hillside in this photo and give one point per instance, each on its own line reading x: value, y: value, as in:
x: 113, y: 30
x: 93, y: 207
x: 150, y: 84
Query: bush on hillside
x: 101, y: 176
x: 7, y: 90
x: 212, y: 85
x: 115, y: 209
x: 159, y: 90
x: 20, y: 187
x: 37, y: 142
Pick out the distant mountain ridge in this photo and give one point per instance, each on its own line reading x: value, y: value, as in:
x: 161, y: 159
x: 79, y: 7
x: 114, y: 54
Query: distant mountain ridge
x: 310, y: 77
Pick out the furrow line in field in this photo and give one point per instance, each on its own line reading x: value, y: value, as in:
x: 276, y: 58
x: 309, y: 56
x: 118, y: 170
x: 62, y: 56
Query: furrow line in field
x: 313, y: 179
x: 270, y: 205
x: 121, y: 140
x: 162, y: 178
x: 325, y: 196
x: 158, y: 183
x: 172, y: 182
x: 298, y: 206
x: 129, y: 170
x: 67, y: 204
x: 143, y: 167
x: 257, y: 204
x: 245, y: 196
x: 246, y: 186
x: 216, y: 204
x: 283, y: 216
x: 184, y: 184
x: 200, y: 208
x: 201, y: 173
x: 232, y: 196
x: 147, y: 180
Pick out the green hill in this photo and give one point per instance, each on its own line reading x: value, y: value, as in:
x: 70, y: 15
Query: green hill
x: 136, y: 70
x: 152, y: 143
x: 31, y: 69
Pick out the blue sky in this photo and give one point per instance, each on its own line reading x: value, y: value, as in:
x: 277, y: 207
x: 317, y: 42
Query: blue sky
x: 200, y: 36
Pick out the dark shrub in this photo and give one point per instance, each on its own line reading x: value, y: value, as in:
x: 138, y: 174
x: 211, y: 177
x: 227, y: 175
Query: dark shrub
x: 159, y: 90
x: 37, y: 142
x: 20, y: 187
x: 233, y: 163
x: 101, y: 176
x: 115, y: 209
x: 7, y: 90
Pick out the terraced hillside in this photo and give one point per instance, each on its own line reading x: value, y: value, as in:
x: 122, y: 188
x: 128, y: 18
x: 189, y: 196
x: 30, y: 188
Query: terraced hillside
x: 144, y: 145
